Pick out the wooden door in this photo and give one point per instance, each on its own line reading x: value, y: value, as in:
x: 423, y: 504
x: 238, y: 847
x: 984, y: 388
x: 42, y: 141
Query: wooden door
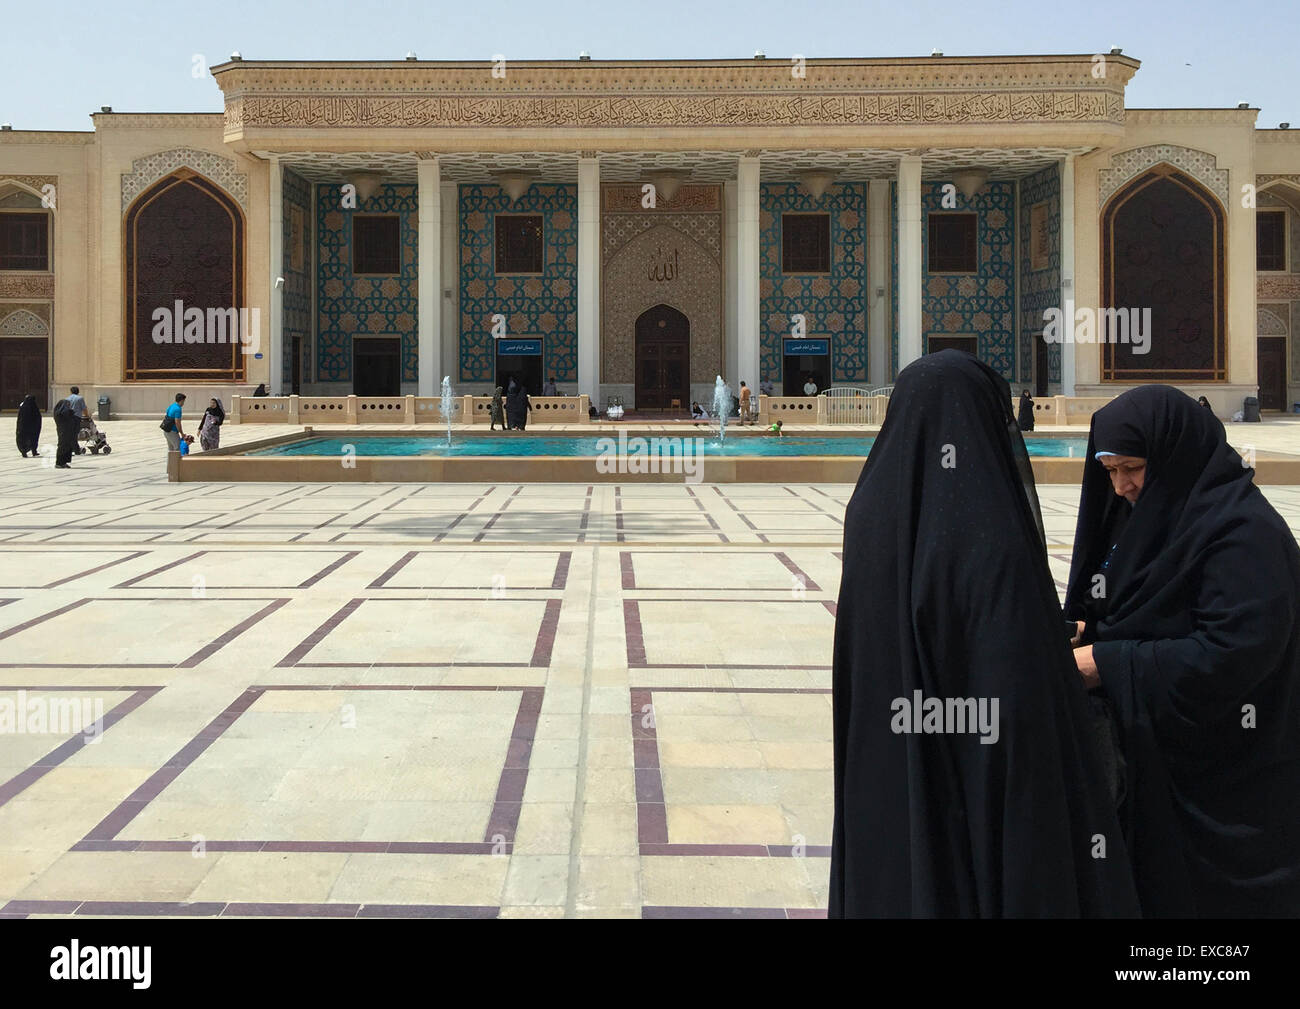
x: 1272, y: 372
x: 24, y: 371
x: 662, y: 359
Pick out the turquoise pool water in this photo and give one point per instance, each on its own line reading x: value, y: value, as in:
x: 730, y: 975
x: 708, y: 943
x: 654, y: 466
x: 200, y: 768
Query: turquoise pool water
x: 524, y: 445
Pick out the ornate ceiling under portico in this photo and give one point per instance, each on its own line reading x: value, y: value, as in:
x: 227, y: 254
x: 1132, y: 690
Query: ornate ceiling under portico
x: 698, y: 166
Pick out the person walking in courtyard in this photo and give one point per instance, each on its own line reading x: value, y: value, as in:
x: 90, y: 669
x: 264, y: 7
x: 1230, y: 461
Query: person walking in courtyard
x: 66, y: 423
x: 79, y: 411
x: 29, y: 426
x: 1025, y: 412
x: 810, y: 387
x: 1184, y: 586
x: 497, y: 411
x: 171, y: 423
x: 965, y: 780
x: 210, y: 428
x: 746, y: 394
x: 549, y: 388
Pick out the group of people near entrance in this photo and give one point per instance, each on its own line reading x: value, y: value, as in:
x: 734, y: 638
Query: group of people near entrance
x: 1144, y: 757
x: 511, y: 410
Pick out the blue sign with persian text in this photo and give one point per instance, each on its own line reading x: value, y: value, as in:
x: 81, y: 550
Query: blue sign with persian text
x: 518, y: 347
x: 809, y: 347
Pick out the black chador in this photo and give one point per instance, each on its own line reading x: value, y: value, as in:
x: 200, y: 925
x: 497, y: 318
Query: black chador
x: 946, y: 603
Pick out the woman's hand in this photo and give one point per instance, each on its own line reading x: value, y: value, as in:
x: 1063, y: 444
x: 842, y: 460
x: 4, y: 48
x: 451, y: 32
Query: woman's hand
x: 1087, y: 666
x: 1078, y: 634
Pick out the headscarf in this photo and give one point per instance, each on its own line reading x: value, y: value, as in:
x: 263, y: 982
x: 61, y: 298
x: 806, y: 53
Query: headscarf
x: 946, y: 594
x: 218, y: 413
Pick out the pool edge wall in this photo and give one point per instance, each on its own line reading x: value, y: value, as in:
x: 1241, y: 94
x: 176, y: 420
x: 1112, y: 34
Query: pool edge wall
x: 542, y: 469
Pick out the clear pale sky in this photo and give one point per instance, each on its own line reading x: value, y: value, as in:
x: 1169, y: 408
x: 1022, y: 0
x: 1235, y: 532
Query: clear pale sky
x: 72, y: 57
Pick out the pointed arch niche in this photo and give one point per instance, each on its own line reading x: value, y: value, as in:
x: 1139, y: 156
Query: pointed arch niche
x: 184, y: 242
x: 1162, y: 248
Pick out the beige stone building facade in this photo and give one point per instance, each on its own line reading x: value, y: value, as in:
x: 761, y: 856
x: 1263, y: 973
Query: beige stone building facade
x: 632, y: 229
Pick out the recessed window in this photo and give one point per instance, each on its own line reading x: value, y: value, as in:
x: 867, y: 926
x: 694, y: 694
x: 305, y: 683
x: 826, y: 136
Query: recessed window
x: 1270, y: 240
x: 951, y: 246
x: 376, y: 245
x: 805, y: 243
x: 519, y: 243
x: 24, y: 241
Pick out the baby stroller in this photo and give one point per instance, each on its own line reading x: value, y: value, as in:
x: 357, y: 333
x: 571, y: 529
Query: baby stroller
x: 91, y: 437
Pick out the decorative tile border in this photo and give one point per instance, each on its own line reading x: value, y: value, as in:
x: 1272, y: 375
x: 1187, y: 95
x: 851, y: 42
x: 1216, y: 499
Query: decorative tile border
x: 498, y: 838
x: 558, y: 581
x: 636, y: 655
x: 207, y: 651
x: 541, y: 650
x: 629, y: 574
x: 651, y: 807
x: 306, y: 584
x: 26, y: 778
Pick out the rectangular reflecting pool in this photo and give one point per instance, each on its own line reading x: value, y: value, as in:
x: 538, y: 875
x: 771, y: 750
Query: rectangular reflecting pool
x: 526, y: 446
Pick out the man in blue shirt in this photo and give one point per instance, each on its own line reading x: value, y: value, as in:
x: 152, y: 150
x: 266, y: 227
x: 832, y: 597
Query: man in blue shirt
x: 79, y: 412
x: 171, y: 425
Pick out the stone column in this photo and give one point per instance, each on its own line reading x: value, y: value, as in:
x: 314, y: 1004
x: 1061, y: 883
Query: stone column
x: 429, y: 275
x: 589, y: 278
x: 275, y: 351
x: 450, y: 284
x: 730, y: 347
x: 878, y: 283
x: 910, y: 343
x: 1067, y: 274
x: 748, y: 194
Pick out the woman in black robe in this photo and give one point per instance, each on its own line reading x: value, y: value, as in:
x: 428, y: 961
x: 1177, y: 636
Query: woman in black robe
x: 946, y: 595
x: 1188, y: 592
x: 517, y: 406
x: 29, y: 426
x: 1025, y: 415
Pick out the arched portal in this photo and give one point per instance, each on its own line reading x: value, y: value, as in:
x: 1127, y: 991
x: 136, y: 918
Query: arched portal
x: 663, y: 355
x: 185, y: 250
x: 1163, y: 251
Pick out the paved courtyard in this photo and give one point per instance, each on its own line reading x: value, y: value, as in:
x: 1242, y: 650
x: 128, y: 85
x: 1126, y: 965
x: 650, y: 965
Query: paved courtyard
x: 403, y: 699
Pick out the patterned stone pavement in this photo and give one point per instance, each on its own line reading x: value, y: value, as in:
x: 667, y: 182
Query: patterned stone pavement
x: 433, y: 700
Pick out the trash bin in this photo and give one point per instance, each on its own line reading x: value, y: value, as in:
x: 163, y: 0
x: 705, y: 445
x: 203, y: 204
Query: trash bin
x: 1250, y: 410
x: 104, y: 404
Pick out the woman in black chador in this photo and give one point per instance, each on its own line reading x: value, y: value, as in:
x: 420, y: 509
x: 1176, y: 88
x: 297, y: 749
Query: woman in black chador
x: 29, y: 426
x: 517, y: 406
x: 1025, y: 414
x: 995, y: 806
x: 1186, y: 582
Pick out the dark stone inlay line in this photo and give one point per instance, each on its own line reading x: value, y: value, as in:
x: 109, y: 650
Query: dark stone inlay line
x: 546, y: 634
x: 798, y: 572
x: 632, y: 630
x: 214, y: 646
x: 318, y: 635
x: 28, y: 776
x: 28, y: 624
x: 651, y: 812
x: 561, y: 578
x: 625, y: 567
x: 82, y: 574
x: 397, y: 566
x: 737, y: 850
x: 329, y: 569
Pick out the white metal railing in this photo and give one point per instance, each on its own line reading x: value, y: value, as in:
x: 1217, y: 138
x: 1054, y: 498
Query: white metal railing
x: 847, y: 404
